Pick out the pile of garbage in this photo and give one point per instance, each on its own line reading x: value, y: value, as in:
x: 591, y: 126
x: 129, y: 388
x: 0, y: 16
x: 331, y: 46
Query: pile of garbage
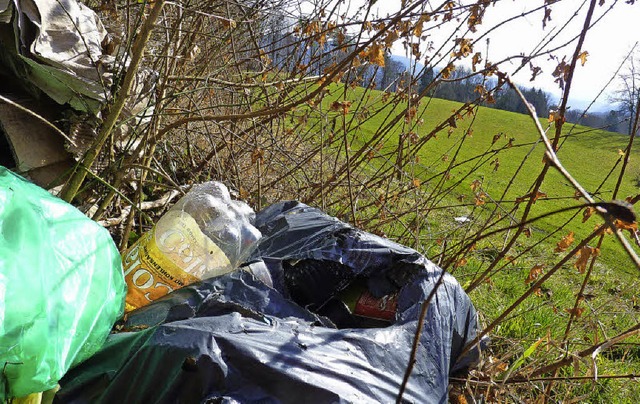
x: 58, y: 64
x: 216, y: 302
x: 223, y: 304
x: 61, y: 287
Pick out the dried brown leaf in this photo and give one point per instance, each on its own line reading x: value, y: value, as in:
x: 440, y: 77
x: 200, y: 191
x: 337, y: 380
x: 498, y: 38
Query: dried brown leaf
x: 475, y: 185
x: 577, y: 195
x: 583, y: 255
x: 375, y: 54
x: 539, y: 195
x: 547, y: 17
x: 577, y: 312
x: 452, y: 122
x: 588, y: 212
x: 390, y: 38
x: 342, y: 106
x: 410, y: 114
x: 447, y: 71
x: 630, y: 227
x: 460, y: 263
x: 534, y: 274
x: 565, y: 242
x: 257, y: 155
x: 244, y: 194
x: 583, y: 57
x: 632, y: 199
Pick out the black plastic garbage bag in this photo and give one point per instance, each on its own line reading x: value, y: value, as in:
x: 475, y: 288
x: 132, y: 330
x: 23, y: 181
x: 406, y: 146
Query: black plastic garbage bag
x: 233, y: 339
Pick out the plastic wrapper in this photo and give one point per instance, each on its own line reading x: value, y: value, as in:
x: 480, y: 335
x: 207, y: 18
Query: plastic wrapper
x: 61, y: 287
x: 234, y: 339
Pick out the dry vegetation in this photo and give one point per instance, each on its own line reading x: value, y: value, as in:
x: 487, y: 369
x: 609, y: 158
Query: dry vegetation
x: 272, y: 98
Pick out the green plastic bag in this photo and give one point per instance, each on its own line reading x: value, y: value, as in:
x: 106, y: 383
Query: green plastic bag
x: 61, y: 287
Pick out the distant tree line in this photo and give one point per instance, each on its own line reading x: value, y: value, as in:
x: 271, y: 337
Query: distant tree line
x: 460, y: 86
x: 614, y: 120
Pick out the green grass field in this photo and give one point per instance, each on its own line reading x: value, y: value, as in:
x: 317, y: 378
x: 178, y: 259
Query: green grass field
x: 501, y: 153
x: 591, y: 156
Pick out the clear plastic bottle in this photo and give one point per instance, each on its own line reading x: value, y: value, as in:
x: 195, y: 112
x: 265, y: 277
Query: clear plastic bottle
x: 205, y: 234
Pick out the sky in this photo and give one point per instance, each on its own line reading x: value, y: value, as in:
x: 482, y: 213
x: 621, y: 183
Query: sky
x: 607, y: 43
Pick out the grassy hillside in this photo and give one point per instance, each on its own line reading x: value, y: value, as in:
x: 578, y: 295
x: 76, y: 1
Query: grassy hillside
x: 502, y: 151
x: 476, y: 172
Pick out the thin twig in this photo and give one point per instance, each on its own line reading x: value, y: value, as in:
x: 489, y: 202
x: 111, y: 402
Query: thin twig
x: 147, y: 205
x: 586, y: 352
x: 416, y: 337
x: 75, y: 182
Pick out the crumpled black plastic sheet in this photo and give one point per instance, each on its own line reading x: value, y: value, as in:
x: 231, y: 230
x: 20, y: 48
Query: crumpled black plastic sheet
x: 233, y: 339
